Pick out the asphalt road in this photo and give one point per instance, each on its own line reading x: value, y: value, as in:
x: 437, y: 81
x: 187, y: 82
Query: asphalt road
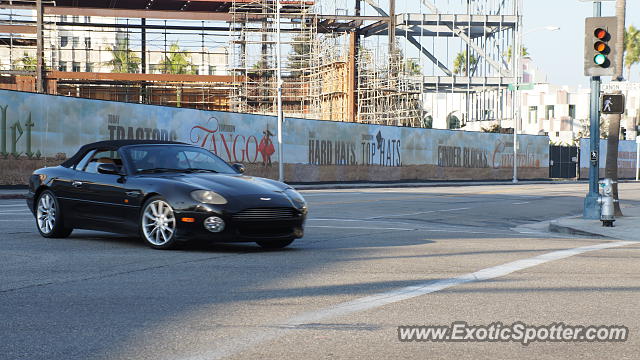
x: 371, y: 260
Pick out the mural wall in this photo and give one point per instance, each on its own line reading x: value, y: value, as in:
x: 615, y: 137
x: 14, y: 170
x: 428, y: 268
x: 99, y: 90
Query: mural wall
x: 626, y: 158
x: 42, y: 130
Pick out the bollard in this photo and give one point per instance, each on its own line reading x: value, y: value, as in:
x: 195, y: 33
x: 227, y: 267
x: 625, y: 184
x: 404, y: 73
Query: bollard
x: 606, y: 201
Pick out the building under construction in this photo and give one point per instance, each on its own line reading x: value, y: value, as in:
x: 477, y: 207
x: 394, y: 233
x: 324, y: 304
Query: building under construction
x: 423, y: 63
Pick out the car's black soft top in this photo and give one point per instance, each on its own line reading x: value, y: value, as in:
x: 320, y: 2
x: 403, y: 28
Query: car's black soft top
x: 112, y: 145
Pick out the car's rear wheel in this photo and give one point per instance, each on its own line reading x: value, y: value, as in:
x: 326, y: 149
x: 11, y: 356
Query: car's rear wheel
x: 49, y: 216
x: 275, y: 244
x: 158, y: 224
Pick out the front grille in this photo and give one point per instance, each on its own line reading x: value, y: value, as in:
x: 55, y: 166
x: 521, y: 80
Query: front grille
x: 266, y: 214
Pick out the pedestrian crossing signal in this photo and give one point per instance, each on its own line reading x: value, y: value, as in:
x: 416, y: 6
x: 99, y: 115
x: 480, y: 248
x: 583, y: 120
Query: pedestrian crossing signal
x: 613, y: 104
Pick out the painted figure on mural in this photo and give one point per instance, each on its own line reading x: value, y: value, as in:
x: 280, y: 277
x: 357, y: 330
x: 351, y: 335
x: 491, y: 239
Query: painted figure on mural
x: 266, y: 148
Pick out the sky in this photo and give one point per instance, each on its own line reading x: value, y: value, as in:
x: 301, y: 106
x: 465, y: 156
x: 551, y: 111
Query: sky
x: 560, y: 53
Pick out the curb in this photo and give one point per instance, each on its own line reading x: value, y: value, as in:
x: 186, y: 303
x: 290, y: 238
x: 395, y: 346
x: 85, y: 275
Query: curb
x: 416, y: 185
x: 12, y: 196
x: 563, y: 229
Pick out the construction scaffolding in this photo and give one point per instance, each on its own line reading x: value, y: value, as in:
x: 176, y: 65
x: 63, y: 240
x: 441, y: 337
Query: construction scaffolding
x: 423, y: 63
x: 254, y: 37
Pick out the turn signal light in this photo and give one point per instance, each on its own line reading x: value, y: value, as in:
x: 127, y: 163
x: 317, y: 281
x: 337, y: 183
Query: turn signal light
x: 188, y: 220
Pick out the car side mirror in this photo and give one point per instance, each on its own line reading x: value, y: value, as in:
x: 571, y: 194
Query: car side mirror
x: 239, y: 168
x: 109, y: 169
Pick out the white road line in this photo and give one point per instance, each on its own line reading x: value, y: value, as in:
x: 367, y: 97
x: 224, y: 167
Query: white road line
x: 521, y: 203
x: 410, y: 214
x: 16, y: 220
x: 388, y: 216
x: 269, y: 333
x: 14, y: 205
x: 453, y: 209
x: 357, y: 227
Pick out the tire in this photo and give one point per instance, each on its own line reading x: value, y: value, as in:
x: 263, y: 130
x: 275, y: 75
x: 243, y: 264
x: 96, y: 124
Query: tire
x: 49, y: 217
x: 158, y: 224
x: 275, y: 244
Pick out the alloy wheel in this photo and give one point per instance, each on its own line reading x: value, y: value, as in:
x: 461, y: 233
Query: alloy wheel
x: 158, y: 223
x: 46, y: 213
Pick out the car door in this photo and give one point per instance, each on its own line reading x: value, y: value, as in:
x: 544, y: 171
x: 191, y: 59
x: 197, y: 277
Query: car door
x: 68, y: 192
x: 104, y: 203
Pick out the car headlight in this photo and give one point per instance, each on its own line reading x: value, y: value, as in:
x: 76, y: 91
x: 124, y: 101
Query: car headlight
x: 295, y: 197
x: 208, y: 197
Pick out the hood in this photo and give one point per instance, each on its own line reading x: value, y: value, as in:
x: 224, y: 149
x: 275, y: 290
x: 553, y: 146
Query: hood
x: 229, y: 184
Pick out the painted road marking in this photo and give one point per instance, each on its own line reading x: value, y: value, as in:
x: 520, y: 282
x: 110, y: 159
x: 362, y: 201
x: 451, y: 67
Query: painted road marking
x: 521, y: 203
x: 14, y: 205
x: 270, y: 333
x: 417, y: 213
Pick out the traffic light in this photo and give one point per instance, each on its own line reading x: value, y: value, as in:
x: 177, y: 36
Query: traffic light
x: 600, y: 46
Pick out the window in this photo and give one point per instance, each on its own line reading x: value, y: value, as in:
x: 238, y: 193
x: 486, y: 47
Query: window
x: 62, y: 66
x: 75, y: 42
x: 212, y: 69
x: 101, y: 157
x: 87, y: 42
x: 76, y: 19
x: 63, y: 18
x: 533, y: 114
x: 64, y: 41
x: 87, y: 19
x: 88, y: 67
x: 550, y: 112
x: 572, y: 111
x: 76, y: 66
x: 85, y: 159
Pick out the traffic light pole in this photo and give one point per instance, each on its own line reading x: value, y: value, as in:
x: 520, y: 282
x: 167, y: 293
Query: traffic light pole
x: 591, y: 206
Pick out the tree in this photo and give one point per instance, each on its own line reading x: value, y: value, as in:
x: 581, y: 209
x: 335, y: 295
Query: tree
x: 299, y: 60
x: 460, y: 63
x: 177, y: 61
x: 124, y: 60
x: 611, y: 168
x: 509, y: 53
x: 631, y: 48
x: 26, y: 63
x: 412, y: 67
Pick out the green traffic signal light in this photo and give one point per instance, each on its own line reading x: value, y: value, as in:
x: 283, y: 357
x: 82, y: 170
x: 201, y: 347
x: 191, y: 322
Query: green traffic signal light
x: 599, y: 59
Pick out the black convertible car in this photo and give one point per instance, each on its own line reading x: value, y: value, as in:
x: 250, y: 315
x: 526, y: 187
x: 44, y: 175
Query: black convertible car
x: 166, y: 192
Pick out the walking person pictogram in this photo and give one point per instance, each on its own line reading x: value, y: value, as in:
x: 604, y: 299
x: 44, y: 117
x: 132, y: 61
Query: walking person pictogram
x: 607, y: 104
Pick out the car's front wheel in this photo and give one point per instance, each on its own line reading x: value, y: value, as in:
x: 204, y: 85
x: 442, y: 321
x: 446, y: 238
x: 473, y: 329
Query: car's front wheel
x: 49, y: 216
x: 158, y: 225
x: 275, y: 244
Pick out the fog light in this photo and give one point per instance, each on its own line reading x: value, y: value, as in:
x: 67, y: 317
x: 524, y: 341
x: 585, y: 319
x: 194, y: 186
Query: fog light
x: 214, y: 224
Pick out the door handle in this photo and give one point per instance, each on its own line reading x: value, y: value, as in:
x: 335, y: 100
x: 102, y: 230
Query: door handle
x: 133, y: 193
x: 76, y: 183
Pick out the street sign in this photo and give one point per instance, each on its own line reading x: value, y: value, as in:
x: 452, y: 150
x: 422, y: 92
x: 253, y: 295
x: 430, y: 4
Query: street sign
x: 594, y: 156
x: 612, y: 104
x: 524, y: 86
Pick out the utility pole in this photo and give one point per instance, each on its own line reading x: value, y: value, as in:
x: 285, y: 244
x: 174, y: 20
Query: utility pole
x: 279, y: 79
x: 591, y: 205
x: 613, y: 138
x: 40, y: 66
x: 392, y: 28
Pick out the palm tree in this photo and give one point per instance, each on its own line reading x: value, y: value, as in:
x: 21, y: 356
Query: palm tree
x: 631, y: 48
x: 412, y: 67
x: 509, y: 53
x: 177, y: 61
x: 28, y: 62
x: 611, y: 168
x: 124, y: 60
x: 460, y: 63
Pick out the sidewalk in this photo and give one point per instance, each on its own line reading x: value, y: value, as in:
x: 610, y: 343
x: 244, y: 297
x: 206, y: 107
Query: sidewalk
x: 20, y: 193
x: 625, y: 228
x: 13, y: 193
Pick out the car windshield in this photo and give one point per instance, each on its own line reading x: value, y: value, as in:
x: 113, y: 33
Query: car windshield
x: 176, y: 158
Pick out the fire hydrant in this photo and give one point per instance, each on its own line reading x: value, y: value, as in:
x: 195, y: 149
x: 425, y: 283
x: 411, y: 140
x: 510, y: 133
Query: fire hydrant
x: 607, y: 202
